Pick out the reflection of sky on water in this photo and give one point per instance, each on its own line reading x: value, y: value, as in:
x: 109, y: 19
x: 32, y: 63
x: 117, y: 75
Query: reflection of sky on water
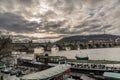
x: 93, y: 54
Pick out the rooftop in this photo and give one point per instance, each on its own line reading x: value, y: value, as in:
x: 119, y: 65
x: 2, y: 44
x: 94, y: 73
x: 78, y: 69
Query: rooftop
x: 45, y: 74
x: 112, y: 75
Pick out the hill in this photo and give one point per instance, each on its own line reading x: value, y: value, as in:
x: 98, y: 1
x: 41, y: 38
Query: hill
x: 89, y: 37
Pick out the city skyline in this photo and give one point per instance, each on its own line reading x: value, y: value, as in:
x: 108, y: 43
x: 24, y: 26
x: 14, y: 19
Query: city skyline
x: 54, y: 19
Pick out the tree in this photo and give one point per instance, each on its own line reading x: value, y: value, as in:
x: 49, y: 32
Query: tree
x: 5, y: 49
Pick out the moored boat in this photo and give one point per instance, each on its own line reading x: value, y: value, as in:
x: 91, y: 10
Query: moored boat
x: 81, y: 58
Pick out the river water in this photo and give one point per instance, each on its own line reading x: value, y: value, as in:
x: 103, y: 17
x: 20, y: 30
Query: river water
x: 112, y: 54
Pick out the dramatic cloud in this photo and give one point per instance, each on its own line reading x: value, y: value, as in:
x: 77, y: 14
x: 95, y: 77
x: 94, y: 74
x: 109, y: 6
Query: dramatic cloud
x: 52, y: 19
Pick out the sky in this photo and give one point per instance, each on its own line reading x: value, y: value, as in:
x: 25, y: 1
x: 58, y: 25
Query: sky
x: 54, y: 19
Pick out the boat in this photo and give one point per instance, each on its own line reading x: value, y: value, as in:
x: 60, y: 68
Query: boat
x: 81, y: 58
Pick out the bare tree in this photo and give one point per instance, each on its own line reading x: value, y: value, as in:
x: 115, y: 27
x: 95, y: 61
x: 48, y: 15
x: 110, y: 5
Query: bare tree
x: 5, y: 49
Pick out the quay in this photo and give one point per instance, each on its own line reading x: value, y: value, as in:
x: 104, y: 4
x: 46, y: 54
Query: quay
x: 76, y: 66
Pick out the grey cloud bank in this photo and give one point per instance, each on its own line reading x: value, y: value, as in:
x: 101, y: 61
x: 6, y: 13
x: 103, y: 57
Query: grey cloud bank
x: 58, y: 18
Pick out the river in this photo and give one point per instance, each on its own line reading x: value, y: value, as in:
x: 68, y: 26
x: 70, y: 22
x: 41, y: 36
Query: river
x: 112, y: 54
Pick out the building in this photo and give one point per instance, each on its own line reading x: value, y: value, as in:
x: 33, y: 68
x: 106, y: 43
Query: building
x: 55, y: 73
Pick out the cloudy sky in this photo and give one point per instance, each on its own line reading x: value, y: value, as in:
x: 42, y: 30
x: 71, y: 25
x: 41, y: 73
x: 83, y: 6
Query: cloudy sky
x: 53, y: 19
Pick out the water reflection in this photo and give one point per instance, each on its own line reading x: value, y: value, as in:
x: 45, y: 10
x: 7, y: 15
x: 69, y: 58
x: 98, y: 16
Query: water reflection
x: 93, y: 54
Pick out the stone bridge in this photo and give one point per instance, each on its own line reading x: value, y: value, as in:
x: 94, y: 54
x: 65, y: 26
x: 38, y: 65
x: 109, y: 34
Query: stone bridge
x: 72, y: 45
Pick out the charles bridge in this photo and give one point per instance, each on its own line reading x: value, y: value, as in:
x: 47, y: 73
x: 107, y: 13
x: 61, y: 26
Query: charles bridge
x: 62, y: 45
x: 73, y: 45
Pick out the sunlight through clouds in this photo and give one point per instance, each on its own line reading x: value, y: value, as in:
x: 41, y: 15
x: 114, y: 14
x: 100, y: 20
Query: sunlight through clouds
x: 59, y: 18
